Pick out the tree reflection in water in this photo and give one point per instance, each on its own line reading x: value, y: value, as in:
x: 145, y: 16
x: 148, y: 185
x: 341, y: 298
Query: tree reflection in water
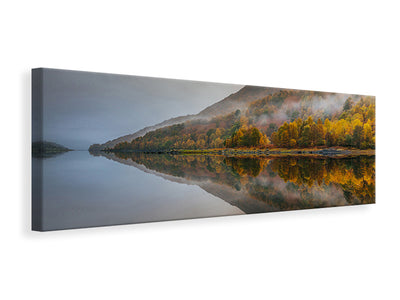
x: 265, y: 183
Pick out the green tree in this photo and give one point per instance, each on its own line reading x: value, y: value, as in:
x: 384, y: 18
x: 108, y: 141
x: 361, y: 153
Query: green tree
x: 358, y: 136
x: 348, y: 104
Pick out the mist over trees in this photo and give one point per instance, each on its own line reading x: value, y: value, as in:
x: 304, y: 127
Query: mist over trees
x: 355, y: 127
x: 284, y: 119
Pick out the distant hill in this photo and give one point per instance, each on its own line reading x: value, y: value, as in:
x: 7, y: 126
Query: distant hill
x: 239, y: 100
x: 45, y: 149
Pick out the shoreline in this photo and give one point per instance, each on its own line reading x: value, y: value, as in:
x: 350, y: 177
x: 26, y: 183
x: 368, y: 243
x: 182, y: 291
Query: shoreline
x: 259, y: 152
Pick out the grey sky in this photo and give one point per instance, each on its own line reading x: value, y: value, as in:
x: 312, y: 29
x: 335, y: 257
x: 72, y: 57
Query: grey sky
x: 82, y: 108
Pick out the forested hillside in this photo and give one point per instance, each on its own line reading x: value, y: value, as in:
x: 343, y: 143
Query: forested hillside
x: 282, y: 118
x: 231, y: 103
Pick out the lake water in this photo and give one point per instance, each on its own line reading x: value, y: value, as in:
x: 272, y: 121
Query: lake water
x: 80, y: 189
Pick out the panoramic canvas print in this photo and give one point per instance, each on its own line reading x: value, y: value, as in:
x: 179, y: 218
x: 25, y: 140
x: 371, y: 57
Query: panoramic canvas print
x: 113, y: 149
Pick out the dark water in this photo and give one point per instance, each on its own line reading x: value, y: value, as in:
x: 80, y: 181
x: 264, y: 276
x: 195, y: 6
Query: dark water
x: 84, y: 190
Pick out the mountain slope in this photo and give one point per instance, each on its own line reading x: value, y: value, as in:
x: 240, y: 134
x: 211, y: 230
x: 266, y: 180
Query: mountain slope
x: 238, y: 100
x: 141, y: 132
x: 287, y: 118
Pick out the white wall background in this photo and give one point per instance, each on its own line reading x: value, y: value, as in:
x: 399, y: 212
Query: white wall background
x: 336, y: 253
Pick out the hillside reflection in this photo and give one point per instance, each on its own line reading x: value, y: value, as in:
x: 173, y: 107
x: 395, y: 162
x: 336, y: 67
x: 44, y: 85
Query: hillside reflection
x: 261, y: 184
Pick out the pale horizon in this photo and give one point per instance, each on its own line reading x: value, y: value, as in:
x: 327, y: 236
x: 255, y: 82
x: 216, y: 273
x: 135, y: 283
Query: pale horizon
x: 85, y: 108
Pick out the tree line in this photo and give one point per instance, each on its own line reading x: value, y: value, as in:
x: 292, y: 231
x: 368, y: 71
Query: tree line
x: 351, y: 126
x: 355, y: 127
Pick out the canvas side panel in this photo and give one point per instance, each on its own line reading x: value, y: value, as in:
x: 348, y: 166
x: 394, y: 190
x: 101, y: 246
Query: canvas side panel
x: 37, y: 135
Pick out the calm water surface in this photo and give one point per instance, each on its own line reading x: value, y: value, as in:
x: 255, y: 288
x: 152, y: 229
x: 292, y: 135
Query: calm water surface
x: 84, y: 190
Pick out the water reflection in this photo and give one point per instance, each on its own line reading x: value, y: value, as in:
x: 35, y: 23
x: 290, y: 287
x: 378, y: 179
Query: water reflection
x: 44, y: 155
x: 76, y: 190
x: 262, y: 184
